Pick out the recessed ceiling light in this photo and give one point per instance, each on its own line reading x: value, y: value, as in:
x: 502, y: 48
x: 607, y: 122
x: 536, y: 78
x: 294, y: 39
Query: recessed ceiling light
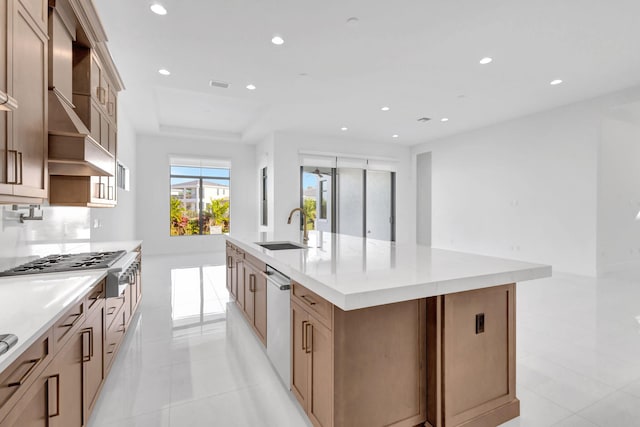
x: 353, y: 21
x: 395, y: 135
x: 277, y: 40
x: 444, y: 119
x: 555, y: 82
x: 251, y: 86
x: 385, y: 108
x: 158, y: 9
x: 164, y: 72
x: 486, y: 60
x: 344, y: 128
x: 424, y: 119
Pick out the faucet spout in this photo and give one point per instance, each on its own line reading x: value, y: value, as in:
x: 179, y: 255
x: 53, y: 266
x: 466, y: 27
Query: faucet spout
x: 305, y: 237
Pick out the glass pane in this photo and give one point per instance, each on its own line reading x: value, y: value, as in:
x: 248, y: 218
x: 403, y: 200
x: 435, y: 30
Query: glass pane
x: 379, y: 205
x: 198, y: 172
x: 318, y: 211
x: 350, y: 186
x: 184, y: 207
x: 215, y: 206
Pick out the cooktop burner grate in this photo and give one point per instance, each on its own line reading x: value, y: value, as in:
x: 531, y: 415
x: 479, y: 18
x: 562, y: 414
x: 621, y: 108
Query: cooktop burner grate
x: 66, y: 262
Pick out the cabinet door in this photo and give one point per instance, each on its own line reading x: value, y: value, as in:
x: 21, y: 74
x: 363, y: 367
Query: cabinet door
x: 240, y: 283
x: 113, y: 137
x: 93, y: 347
x: 95, y: 122
x: 112, y: 104
x: 33, y: 409
x: 249, y: 291
x: 230, y: 269
x: 104, y: 132
x: 66, y: 396
x: 260, y: 308
x: 320, y: 347
x: 30, y: 137
x: 299, y: 354
x: 96, y: 89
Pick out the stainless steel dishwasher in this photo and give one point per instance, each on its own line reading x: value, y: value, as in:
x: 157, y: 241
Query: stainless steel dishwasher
x: 279, y: 323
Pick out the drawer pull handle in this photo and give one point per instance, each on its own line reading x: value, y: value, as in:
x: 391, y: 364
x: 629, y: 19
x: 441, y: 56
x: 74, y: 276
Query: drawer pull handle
x: 112, y: 347
x: 72, y: 324
x: 88, y: 358
x: 308, y: 300
x: 309, y: 333
x: 21, y: 381
x: 57, y: 377
x: 252, y: 283
x: 111, y: 311
x: 304, y: 336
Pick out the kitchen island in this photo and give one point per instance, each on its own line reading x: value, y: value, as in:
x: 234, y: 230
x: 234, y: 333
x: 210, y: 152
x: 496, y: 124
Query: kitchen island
x: 392, y: 334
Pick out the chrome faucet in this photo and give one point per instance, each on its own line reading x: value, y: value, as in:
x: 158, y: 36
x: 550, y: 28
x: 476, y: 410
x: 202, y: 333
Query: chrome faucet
x: 305, y: 237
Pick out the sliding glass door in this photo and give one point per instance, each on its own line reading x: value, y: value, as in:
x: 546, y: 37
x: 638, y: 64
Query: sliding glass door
x: 379, y: 211
x: 349, y: 200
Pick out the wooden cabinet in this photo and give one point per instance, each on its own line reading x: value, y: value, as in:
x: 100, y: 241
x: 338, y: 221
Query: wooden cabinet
x: 66, y: 375
x: 56, y: 381
x: 23, y: 137
x: 478, y: 390
x: 247, y: 285
x: 93, y: 356
x: 341, y: 372
x: 255, y: 297
x: 18, y: 377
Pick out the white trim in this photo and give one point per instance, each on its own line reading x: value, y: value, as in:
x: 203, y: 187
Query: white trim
x: 198, y: 162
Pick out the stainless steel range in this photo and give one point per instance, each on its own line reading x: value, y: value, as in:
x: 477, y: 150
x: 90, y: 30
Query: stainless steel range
x: 66, y: 262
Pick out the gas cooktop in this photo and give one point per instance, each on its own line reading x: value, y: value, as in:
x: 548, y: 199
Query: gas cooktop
x: 66, y: 262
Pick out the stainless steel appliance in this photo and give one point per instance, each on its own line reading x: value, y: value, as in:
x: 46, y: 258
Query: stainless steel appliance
x: 66, y: 262
x: 6, y: 342
x: 279, y: 323
x: 121, y: 274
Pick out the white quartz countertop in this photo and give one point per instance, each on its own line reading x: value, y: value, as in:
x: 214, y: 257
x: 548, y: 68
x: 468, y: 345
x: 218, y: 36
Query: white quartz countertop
x: 353, y: 272
x: 31, y: 304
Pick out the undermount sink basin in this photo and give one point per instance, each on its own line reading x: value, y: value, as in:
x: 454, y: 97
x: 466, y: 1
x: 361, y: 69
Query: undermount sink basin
x: 280, y: 246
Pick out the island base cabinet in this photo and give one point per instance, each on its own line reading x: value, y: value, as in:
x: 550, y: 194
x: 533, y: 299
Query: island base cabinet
x: 359, y: 368
x: 471, y: 358
x: 312, y: 366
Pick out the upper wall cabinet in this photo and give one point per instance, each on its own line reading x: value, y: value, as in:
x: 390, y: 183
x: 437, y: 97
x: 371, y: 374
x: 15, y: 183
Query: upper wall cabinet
x: 23, y: 76
x: 83, y: 86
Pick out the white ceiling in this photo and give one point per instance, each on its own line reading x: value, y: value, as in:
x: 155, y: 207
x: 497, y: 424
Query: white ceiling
x: 419, y: 57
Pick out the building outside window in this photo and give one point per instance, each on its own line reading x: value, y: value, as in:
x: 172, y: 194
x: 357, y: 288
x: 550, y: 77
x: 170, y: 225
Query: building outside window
x: 199, y: 200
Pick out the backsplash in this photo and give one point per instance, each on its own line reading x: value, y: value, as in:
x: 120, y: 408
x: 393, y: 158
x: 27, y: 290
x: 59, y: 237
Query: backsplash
x: 22, y: 242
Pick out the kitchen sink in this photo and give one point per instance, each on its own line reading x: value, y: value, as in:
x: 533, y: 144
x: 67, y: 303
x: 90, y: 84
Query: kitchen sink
x: 280, y: 246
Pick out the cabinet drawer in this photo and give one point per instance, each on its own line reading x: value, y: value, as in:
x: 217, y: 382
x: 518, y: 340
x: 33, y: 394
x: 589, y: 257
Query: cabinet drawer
x: 255, y: 262
x: 313, y: 303
x: 96, y: 294
x: 17, y: 378
x: 64, y: 328
x: 114, y: 337
x: 112, y: 308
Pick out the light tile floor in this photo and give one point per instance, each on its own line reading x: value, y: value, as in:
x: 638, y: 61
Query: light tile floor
x: 187, y: 361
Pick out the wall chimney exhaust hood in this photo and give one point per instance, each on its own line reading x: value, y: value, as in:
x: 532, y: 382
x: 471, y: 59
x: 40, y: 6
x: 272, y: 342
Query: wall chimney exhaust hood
x: 72, y: 150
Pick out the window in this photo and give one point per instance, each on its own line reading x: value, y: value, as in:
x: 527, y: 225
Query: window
x: 324, y: 193
x: 199, y: 201
x: 123, y: 176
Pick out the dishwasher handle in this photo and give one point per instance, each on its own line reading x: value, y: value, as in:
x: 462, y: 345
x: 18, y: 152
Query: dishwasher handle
x: 277, y: 279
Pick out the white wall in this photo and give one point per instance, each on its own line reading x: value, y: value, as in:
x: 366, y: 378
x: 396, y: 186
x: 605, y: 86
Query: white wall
x: 287, y: 147
x: 619, y: 196
x: 524, y: 189
x: 119, y: 223
x: 152, y: 209
x: 528, y: 188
